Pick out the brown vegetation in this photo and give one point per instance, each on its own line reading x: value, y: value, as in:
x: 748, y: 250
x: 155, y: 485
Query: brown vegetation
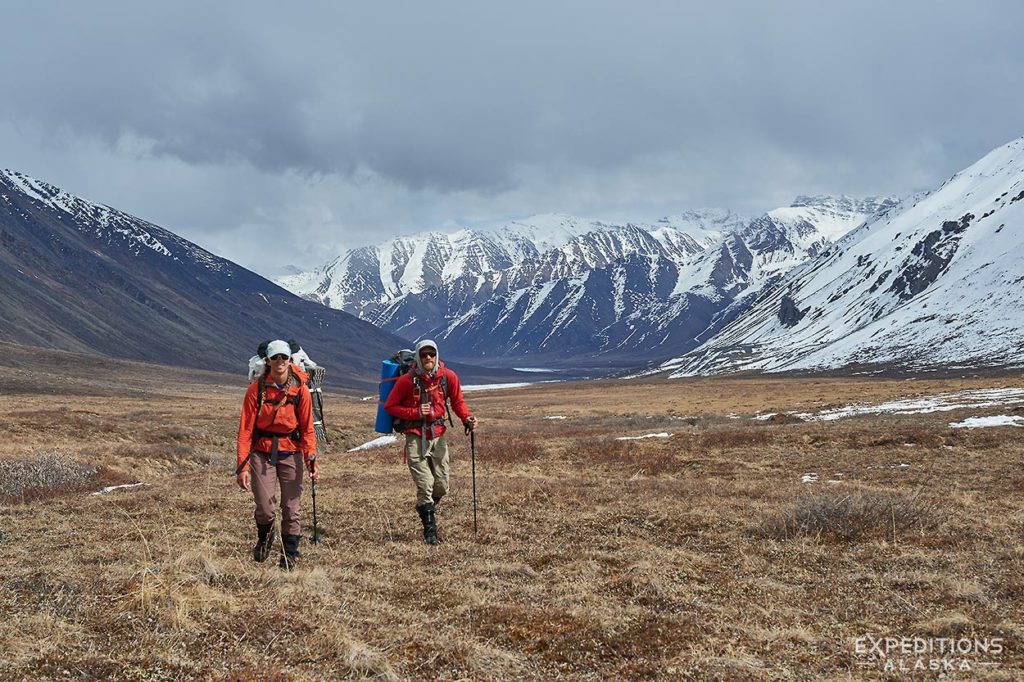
x: 702, y: 555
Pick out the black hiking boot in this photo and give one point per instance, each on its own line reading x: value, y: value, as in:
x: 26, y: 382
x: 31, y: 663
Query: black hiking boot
x: 426, y: 512
x: 437, y: 500
x: 265, y: 536
x: 290, y: 557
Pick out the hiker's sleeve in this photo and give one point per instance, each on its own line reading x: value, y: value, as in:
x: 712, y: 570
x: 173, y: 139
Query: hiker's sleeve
x: 399, y: 394
x: 306, y: 424
x: 246, y: 423
x: 459, y: 405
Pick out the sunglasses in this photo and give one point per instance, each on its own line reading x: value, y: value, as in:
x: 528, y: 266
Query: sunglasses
x: 428, y: 354
x: 279, y: 356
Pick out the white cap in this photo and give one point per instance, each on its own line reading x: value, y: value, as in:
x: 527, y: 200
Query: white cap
x: 278, y: 347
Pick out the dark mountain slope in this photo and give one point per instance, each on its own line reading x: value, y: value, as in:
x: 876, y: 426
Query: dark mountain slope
x: 83, y: 277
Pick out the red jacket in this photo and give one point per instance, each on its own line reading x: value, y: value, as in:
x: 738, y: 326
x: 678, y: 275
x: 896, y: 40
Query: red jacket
x: 404, y: 400
x: 278, y: 415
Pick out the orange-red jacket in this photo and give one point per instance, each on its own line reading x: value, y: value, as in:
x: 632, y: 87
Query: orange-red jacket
x: 404, y: 400
x: 281, y: 411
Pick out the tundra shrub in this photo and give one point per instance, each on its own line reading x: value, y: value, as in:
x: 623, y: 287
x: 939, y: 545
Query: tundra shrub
x: 850, y: 516
x: 51, y: 471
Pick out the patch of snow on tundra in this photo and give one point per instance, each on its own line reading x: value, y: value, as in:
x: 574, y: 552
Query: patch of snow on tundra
x: 112, y: 488
x: 983, y: 422
x: 647, y: 435
x: 376, y: 443
x: 494, y: 387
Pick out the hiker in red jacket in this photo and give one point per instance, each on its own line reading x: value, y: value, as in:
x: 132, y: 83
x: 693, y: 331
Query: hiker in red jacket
x: 418, y: 403
x: 275, y: 439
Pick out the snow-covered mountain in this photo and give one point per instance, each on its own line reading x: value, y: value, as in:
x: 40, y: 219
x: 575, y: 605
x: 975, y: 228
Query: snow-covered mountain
x: 937, y: 280
x: 556, y: 287
x: 366, y: 280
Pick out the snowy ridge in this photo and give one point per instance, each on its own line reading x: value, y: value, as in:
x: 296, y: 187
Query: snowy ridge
x: 108, y: 223
x: 934, y: 281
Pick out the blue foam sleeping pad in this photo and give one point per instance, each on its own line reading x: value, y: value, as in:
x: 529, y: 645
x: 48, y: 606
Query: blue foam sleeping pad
x: 388, y: 373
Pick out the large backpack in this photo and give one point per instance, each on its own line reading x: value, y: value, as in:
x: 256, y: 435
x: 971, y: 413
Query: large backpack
x: 314, y: 381
x: 402, y: 362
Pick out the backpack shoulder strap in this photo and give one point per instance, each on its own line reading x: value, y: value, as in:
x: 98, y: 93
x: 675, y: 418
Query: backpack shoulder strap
x: 444, y: 392
x: 294, y: 400
x: 262, y: 393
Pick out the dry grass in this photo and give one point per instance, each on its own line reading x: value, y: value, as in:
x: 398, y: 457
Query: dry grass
x: 515, y: 448
x: 698, y: 556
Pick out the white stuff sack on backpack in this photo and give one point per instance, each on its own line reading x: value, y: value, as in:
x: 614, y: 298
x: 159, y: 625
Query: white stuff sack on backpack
x: 257, y: 367
x: 303, y: 360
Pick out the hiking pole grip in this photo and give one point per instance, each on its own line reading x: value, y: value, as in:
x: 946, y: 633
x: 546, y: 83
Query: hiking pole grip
x: 472, y: 450
x: 242, y: 465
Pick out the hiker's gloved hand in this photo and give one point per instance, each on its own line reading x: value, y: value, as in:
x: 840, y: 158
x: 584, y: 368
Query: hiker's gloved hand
x: 470, y: 424
x: 243, y: 480
x: 314, y: 470
x: 426, y: 410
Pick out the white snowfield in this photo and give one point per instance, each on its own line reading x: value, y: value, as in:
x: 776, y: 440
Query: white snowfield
x: 985, y: 422
x: 375, y: 443
x: 942, y: 402
x: 934, y: 281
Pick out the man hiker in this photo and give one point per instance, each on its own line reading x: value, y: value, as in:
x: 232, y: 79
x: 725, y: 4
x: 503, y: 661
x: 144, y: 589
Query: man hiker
x: 275, y: 441
x: 418, y: 404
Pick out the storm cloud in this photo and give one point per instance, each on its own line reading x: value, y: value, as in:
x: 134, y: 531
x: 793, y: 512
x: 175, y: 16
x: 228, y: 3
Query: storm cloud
x: 324, y: 124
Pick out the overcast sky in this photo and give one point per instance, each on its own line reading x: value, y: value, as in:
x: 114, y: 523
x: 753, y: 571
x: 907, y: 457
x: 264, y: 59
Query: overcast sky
x: 314, y: 126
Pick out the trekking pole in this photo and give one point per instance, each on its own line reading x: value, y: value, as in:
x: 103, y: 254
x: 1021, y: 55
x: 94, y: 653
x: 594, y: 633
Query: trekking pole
x: 424, y: 400
x: 315, y: 538
x: 472, y: 450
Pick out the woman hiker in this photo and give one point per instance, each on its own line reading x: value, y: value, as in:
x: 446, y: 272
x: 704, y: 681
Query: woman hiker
x: 276, y: 441
x: 418, y: 400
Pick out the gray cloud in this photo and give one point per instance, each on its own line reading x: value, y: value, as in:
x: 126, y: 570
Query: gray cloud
x: 339, y: 121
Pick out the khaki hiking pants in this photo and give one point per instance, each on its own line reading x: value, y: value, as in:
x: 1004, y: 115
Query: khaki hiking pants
x: 265, y: 479
x: 429, y: 469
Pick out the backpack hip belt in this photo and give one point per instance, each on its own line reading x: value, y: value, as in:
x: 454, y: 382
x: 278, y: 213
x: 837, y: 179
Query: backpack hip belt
x: 295, y: 436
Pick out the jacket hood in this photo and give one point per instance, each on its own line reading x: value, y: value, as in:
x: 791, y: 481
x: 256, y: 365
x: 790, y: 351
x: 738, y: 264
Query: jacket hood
x: 427, y: 343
